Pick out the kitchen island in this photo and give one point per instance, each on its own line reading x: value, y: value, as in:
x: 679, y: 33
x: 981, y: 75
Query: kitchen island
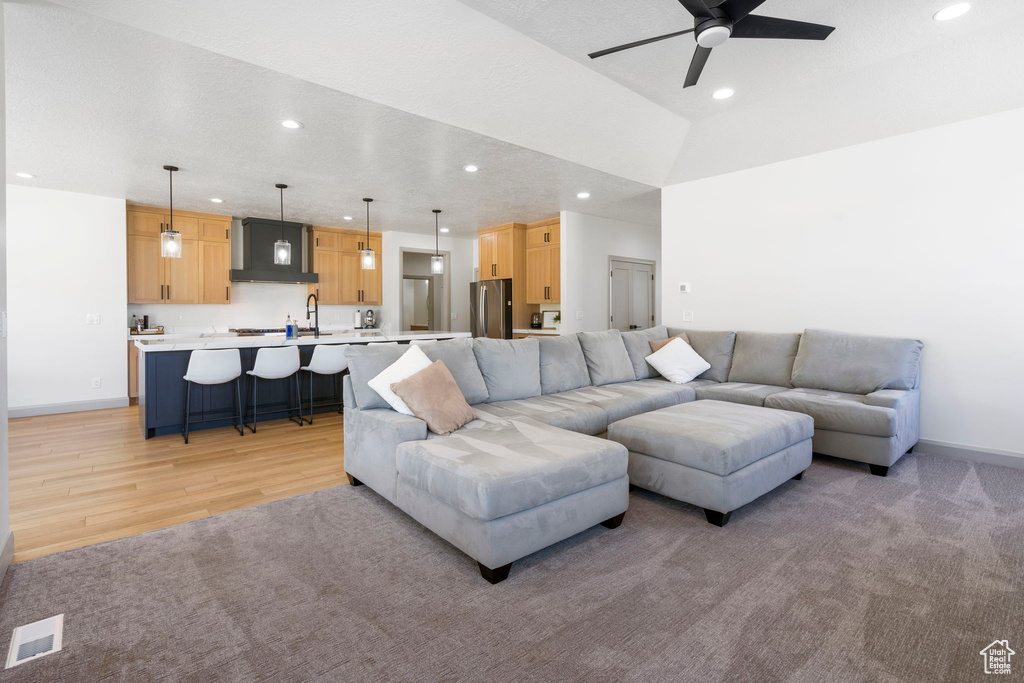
x: 163, y: 363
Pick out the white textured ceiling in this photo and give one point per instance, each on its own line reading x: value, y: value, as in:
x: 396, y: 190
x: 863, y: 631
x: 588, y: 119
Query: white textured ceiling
x: 887, y: 69
x: 94, y: 106
x: 436, y: 58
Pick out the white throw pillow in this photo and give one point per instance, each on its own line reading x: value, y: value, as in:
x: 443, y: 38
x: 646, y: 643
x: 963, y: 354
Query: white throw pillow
x: 678, y: 362
x: 411, y: 362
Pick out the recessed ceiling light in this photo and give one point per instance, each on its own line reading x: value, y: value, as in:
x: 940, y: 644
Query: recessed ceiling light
x: 583, y: 195
x: 25, y: 175
x: 291, y: 123
x: 444, y: 229
x: 952, y: 12
x: 347, y: 218
x: 216, y: 200
x: 470, y: 168
x: 723, y: 94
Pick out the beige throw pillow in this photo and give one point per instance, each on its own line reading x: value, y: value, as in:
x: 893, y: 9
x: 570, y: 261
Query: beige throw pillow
x: 433, y: 396
x: 658, y: 343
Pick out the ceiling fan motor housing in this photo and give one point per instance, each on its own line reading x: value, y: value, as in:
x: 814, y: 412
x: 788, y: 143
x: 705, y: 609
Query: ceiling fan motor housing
x: 713, y: 30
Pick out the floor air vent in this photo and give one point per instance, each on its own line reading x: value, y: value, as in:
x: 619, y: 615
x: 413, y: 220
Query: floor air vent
x: 36, y: 640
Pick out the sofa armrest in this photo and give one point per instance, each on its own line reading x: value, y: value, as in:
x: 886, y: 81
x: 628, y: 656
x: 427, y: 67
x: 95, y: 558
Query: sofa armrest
x: 888, y: 398
x: 371, y: 439
x: 907, y: 405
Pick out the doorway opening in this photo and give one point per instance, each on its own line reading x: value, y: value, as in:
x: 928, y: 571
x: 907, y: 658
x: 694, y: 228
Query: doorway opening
x: 424, y: 299
x: 630, y: 293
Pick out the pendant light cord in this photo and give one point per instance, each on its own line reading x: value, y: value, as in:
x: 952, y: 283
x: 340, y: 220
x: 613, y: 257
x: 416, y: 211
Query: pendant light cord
x: 367, y: 225
x: 170, y: 183
x: 282, y: 212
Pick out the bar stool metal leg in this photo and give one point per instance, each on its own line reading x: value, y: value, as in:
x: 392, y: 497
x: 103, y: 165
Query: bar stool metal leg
x: 238, y: 408
x: 298, y: 402
x: 188, y: 397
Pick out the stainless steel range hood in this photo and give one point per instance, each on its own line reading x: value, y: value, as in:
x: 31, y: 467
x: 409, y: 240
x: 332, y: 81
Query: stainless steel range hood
x: 258, y: 238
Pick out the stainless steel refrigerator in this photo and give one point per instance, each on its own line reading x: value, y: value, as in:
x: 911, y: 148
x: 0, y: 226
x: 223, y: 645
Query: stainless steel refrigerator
x: 490, y: 308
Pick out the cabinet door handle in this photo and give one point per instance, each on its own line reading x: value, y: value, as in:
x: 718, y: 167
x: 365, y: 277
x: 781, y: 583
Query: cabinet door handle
x: 168, y: 292
x: 227, y: 233
x: 227, y: 292
x: 318, y: 241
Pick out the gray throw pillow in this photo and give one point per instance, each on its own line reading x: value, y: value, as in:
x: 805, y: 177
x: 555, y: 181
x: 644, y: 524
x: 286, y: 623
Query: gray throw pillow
x: 638, y: 346
x: 562, y: 366
x: 511, y: 369
x: 855, y: 363
x: 458, y: 357
x: 764, y: 358
x: 366, y: 362
x: 714, y: 347
x: 607, y: 359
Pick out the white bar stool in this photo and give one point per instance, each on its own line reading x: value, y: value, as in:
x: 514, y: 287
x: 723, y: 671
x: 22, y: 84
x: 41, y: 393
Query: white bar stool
x: 209, y: 368
x: 280, y: 362
x: 326, y: 360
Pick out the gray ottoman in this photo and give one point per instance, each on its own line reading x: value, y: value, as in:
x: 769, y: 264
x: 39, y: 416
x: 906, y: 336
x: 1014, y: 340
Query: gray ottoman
x: 501, y: 490
x: 716, y: 455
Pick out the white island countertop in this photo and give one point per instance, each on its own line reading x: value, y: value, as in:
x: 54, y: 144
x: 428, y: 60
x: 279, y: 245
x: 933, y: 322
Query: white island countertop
x: 188, y: 343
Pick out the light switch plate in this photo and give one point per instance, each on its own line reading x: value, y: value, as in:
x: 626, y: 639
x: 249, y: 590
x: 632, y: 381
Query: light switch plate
x: 92, y: 318
x: 687, y: 316
x: 579, y: 315
x: 455, y: 315
x: 684, y: 288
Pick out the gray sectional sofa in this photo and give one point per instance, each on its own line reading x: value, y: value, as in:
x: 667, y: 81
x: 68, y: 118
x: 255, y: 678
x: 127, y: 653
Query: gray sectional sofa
x: 532, y: 470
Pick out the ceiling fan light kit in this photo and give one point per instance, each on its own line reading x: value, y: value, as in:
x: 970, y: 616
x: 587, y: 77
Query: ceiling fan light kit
x: 713, y: 26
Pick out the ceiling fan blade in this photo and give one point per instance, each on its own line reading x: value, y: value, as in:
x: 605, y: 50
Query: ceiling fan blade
x: 697, y: 8
x: 737, y: 9
x: 602, y: 53
x: 756, y: 26
x: 700, y: 58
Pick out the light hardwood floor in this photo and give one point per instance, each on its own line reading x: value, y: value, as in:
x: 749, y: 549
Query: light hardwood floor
x: 82, y: 478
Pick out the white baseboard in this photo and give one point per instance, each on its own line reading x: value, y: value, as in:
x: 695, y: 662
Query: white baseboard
x: 73, y: 407
x: 961, y: 452
x: 6, y: 555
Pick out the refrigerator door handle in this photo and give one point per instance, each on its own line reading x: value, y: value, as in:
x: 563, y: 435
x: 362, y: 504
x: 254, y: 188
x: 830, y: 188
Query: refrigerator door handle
x: 481, y: 310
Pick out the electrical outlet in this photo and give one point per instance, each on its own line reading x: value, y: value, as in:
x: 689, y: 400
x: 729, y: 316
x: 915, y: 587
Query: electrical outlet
x: 579, y: 315
x: 92, y: 318
x: 97, y: 382
x: 684, y: 288
x: 687, y: 316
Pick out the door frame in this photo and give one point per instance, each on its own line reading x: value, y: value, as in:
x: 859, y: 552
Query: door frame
x: 443, y: 325
x: 432, y: 317
x: 654, y: 290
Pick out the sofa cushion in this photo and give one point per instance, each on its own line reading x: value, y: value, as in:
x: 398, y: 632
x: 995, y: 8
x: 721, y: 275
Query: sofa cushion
x: 488, y: 470
x: 411, y: 362
x: 554, y: 410
x: 714, y: 347
x: 712, y: 436
x: 854, y: 363
x: 630, y: 398
x: 738, y: 392
x: 458, y: 357
x: 656, y: 344
x: 606, y: 356
x: 678, y: 362
x: 562, y: 365
x: 764, y: 358
x: 837, y: 411
x: 511, y: 368
x: 366, y: 362
x: 434, y: 397
x: 638, y: 346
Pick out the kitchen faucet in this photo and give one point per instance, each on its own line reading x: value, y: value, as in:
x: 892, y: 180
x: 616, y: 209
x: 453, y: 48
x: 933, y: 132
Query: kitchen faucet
x: 316, y: 313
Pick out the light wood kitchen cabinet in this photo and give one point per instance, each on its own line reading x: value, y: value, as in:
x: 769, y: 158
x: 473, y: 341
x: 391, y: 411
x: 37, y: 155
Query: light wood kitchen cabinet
x: 215, y: 272
x: 201, y: 275
x: 336, y: 258
x: 543, y: 262
x: 496, y: 250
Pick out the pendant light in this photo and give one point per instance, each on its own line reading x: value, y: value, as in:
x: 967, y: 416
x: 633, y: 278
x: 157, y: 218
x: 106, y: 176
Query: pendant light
x: 436, y: 261
x: 170, y: 239
x: 368, y: 258
x: 282, y: 247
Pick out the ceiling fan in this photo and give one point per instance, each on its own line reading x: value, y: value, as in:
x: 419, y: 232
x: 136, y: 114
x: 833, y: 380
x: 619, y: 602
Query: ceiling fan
x: 715, y: 21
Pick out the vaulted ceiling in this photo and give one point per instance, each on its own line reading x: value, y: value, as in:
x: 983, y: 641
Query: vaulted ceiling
x: 400, y: 94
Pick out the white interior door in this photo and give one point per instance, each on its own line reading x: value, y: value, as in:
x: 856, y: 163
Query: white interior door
x: 631, y: 296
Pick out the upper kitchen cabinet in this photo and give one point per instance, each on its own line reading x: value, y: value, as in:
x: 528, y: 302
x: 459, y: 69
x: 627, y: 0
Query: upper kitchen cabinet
x: 543, y: 262
x: 200, y: 276
x: 335, y: 257
x: 497, y: 249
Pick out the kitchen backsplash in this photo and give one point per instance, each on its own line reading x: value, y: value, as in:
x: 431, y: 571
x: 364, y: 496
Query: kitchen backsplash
x: 252, y: 305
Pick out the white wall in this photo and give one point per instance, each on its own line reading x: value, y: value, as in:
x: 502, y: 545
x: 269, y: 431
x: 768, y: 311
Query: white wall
x: 418, y: 264
x: 460, y: 260
x: 6, y: 538
x: 65, y: 259
x: 586, y: 243
x: 919, y: 235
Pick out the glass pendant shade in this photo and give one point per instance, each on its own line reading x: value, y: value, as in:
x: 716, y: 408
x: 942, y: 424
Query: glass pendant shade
x: 368, y: 259
x: 437, y: 265
x: 170, y: 244
x: 282, y: 253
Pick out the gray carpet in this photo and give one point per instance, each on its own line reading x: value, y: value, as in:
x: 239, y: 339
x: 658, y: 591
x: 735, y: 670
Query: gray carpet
x: 842, y: 576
